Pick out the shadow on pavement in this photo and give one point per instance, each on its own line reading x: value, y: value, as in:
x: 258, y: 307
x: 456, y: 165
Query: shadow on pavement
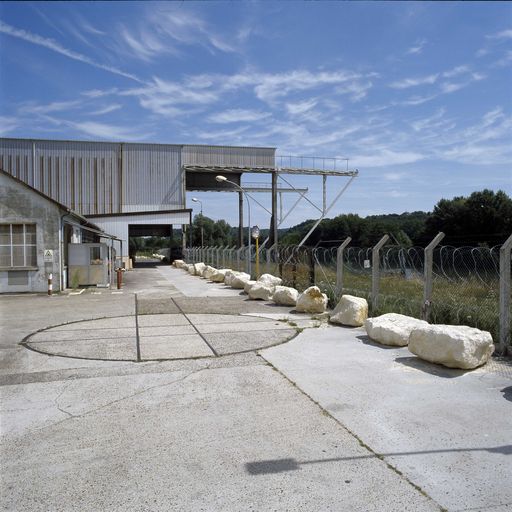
x: 265, y: 467
x: 368, y: 341
x: 433, y: 369
x: 507, y: 393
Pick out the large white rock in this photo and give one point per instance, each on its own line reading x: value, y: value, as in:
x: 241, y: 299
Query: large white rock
x: 218, y: 275
x: 208, y: 272
x: 199, y: 268
x: 177, y: 263
x: 312, y: 300
x: 239, y: 280
x: 191, y: 269
x: 261, y: 291
x: 249, y: 285
x: 228, y: 276
x: 455, y: 346
x: 270, y: 279
x: 350, y: 310
x: 392, y: 328
x: 285, y: 296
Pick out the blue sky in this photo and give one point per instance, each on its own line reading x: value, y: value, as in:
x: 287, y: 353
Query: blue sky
x: 416, y: 95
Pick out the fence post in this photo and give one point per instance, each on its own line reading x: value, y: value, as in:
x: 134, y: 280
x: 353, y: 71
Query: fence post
x: 339, y: 265
x: 311, y: 261
x: 376, y: 270
x: 505, y: 253
x: 428, y: 273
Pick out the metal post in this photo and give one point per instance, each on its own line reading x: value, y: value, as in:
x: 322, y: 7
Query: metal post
x: 257, y: 260
x: 241, y: 219
x: 504, y: 343
x: 376, y: 271
x: 238, y: 258
x: 311, y: 258
x: 339, y: 266
x: 428, y: 273
x: 274, y: 209
x: 324, y: 194
x: 50, y: 284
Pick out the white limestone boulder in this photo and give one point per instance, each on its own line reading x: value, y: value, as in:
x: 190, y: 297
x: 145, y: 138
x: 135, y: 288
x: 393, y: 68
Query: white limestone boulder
x: 350, y: 310
x: 454, y: 346
x: 218, y: 275
x: 312, y: 300
x: 239, y: 280
x: 261, y: 291
x: 248, y: 285
x: 270, y: 279
x: 199, y: 268
x: 392, y: 328
x: 230, y: 274
x: 191, y: 269
x: 285, y: 296
x: 208, y: 272
x: 177, y: 263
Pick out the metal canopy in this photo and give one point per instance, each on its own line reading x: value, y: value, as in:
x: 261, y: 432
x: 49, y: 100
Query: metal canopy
x: 219, y: 169
x: 312, y: 166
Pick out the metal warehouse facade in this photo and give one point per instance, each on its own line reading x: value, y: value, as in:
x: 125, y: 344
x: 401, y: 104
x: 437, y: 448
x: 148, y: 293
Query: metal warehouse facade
x: 127, y: 189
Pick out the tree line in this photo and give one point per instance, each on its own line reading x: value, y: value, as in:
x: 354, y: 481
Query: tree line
x: 483, y: 218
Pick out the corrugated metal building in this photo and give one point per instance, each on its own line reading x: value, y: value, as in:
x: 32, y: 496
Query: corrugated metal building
x: 123, y: 185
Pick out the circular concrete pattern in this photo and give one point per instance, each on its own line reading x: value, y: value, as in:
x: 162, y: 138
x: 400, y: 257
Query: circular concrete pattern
x: 160, y: 337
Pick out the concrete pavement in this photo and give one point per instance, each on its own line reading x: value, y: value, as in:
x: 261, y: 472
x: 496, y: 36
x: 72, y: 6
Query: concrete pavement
x: 448, y: 431
x: 229, y: 432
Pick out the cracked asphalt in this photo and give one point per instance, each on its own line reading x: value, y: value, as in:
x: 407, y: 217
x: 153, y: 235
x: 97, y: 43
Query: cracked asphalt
x: 226, y: 432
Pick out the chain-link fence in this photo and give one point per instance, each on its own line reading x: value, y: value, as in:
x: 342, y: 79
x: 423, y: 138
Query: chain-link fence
x: 442, y: 284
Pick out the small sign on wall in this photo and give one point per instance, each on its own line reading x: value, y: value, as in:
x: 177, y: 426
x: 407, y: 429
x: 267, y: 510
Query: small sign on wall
x: 48, y: 255
x: 366, y: 263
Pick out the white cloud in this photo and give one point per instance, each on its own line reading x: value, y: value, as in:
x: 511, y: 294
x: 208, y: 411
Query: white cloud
x: 145, y: 46
x: 270, y: 87
x: 418, y: 100
x: 417, y: 48
x: 301, y: 107
x: 414, y: 82
x: 98, y: 93
x: 165, y: 29
x: 393, y: 176
x: 50, y: 44
x: 506, y: 60
x: 449, y: 87
x: 56, y: 106
x: 504, y: 34
x: 8, y: 124
x: 458, y: 70
x: 238, y: 116
x: 357, y: 90
x: 386, y: 157
x: 106, y: 110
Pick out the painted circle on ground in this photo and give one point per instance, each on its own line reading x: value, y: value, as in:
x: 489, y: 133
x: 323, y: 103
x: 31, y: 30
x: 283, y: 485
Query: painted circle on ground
x: 160, y: 337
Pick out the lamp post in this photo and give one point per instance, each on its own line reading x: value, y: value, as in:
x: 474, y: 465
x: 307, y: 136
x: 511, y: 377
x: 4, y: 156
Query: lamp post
x: 201, y: 203
x: 223, y: 179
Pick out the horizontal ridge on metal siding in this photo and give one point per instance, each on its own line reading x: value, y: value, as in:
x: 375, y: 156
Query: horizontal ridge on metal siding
x: 228, y: 155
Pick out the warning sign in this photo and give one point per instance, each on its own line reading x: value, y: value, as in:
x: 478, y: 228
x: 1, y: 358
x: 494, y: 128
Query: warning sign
x: 48, y: 255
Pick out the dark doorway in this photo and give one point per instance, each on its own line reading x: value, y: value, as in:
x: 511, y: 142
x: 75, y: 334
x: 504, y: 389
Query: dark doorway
x: 152, y: 244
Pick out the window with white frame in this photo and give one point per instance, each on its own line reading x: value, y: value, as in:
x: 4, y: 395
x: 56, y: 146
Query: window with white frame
x: 18, y: 245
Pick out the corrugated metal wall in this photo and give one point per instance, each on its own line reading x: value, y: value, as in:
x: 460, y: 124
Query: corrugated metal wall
x: 228, y: 155
x: 152, y: 177
x: 106, y: 177
x: 84, y: 176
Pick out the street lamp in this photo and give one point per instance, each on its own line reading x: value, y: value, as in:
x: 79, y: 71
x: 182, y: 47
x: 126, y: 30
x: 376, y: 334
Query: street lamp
x: 201, y: 203
x: 223, y: 179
